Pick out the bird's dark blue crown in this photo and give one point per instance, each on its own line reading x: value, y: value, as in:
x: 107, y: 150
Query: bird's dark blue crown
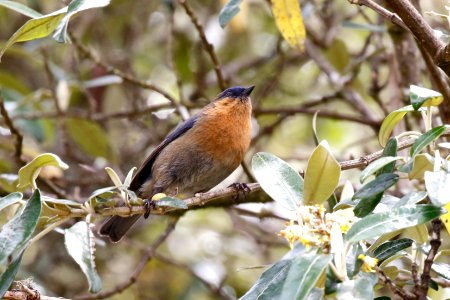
x: 235, y: 92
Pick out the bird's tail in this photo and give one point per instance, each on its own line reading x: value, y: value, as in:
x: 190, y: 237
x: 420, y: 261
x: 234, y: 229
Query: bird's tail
x: 115, y: 227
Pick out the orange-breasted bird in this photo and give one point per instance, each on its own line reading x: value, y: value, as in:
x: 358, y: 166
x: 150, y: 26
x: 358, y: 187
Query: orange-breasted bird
x: 196, y: 156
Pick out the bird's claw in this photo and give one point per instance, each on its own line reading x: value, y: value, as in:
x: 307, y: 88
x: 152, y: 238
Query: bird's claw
x: 149, y: 205
x: 240, y: 187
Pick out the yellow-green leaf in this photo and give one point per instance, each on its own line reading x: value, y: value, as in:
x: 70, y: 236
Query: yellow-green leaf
x: 288, y: 18
x: 418, y: 233
x: 322, y: 175
x: 390, y: 122
x: 29, y: 172
x: 446, y: 217
x: 36, y: 28
x: 420, y: 96
x: 422, y: 162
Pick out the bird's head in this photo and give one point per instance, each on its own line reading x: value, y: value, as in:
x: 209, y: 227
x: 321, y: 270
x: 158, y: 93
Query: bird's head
x: 236, y: 93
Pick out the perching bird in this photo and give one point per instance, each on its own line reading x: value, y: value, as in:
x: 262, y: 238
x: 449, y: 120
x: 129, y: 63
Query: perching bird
x: 196, y: 156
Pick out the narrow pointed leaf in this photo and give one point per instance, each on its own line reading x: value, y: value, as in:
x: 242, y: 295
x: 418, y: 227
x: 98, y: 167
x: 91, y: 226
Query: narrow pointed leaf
x: 171, y: 202
x: 8, y: 276
x: 376, y: 186
x: 15, y: 234
x: 10, y: 199
x: 359, y: 289
x: 376, y: 166
x: 411, y: 198
x: 288, y: 18
x: 426, y: 139
x: 79, y: 243
x: 441, y: 269
x: 366, y: 205
x: 388, y: 249
x: 377, y: 224
x: 229, y: 10
x: 321, y: 176
x: 420, y: 96
x: 390, y: 122
x: 278, y: 179
x: 389, y: 150
x: 29, y: 172
x: 20, y: 8
x: 303, y: 275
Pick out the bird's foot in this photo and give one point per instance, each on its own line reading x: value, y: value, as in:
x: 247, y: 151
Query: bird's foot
x: 240, y: 187
x: 149, y: 205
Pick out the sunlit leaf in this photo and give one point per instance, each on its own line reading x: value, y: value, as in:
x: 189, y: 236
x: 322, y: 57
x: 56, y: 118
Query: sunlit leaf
x: 446, y: 217
x: 229, y: 10
x: 377, y: 224
x: 418, y: 233
x: 278, y: 179
x: 322, y: 175
x: 388, y: 249
x: 438, y: 187
x: 79, y: 243
x: 74, y: 7
x: 35, y: 29
x: 15, y: 234
x: 441, y: 269
x: 288, y: 18
x: 10, y: 199
x: 29, y: 172
x: 376, y: 166
x: 420, y: 96
x: 411, y: 198
x: 390, y: 122
x: 426, y: 139
x: 422, y: 162
x: 114, y: 177
x: 20, y: 8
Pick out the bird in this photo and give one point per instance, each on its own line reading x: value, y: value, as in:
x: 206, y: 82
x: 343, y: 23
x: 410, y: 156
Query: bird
x: 195, y: 157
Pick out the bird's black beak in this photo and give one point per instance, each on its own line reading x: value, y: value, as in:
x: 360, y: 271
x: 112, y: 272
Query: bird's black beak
x: 248, y: 91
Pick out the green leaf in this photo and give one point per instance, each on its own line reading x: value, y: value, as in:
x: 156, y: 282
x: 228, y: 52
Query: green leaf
x: 425, y: 139
x: 438, y: 187
x: 10, y: 199
x: 359, y: 289
x: 17, y: 232
x: 79, y: 243
x: 376, y: 186
x: 270, y: 284
x: 389, y: 150
x: 29, y: 172
x: 278, y: 179
x: 8, y: 276
x: 229, y: 10
x: 303, y: 275
x: 376, y: 166
x: 411, y: 198
x: 35, y: 29
x: 74, y: 7
x: 420, y: 96
x: 387, y: 249
x: 91, y: 138
x: 322, y: 175
x: 366, y: 205
x: 171, y: 202
x: 20, y: 8
x: 377, y: 224
x: 390, y: 122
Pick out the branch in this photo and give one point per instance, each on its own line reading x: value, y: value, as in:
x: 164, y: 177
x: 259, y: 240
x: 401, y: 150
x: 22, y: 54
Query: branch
x: 146, y: 257
x: 14, y: 131
x: 435, y: 243
x: 382, y: 11
x: 396, y: 290
x: 208, y: 47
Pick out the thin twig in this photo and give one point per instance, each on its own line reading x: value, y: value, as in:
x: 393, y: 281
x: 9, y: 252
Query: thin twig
x: 14, y: 131
x: 207, y: 45
x: 396, y: 290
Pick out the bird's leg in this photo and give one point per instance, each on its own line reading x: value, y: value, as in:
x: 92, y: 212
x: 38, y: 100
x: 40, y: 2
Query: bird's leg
x: 240, y: 187
x: 149, y: 204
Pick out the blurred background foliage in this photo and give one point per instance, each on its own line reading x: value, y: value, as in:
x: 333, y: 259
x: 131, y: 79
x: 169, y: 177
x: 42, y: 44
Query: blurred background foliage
x: 65, y: 103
